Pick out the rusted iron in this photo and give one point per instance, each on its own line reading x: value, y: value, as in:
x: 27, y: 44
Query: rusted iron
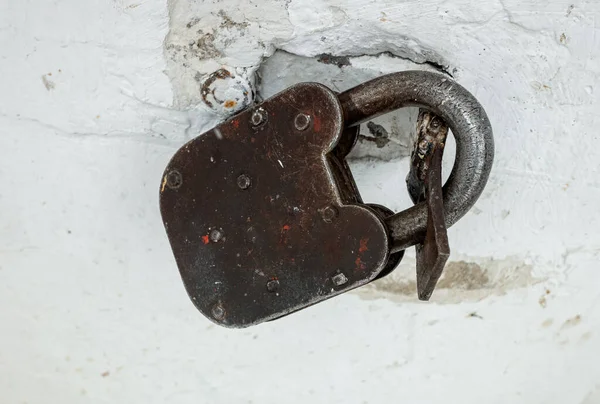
x: 267, y: 219
x: 464, y: 116
x: 263, y: 214
x: 206, y: 86
x: 424, y: 182
x: 431, y: 134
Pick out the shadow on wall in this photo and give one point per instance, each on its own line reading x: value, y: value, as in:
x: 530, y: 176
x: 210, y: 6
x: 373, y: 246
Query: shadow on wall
x: 461, y: 281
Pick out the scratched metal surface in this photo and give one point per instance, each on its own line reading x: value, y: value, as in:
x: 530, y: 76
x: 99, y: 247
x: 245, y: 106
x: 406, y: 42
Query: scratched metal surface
x: 463, y: 114
x: 254, y: 248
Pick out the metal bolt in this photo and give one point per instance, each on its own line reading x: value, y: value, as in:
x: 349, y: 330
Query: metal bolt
x: 339, y: 279
x: 273, y: 285
x: 216, y: 235
x: 174, y: 179
x: 243, y: 181
x: 302, y: 121
x: 258, y: 117
x: 328, y: 214
x: 218, y: 312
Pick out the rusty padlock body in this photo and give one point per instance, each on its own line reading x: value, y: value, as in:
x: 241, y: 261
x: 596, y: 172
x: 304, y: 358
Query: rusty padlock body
x: 264, y: 217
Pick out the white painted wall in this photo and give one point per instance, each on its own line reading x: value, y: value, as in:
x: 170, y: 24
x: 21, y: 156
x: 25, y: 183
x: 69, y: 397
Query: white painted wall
x: 95, y: 98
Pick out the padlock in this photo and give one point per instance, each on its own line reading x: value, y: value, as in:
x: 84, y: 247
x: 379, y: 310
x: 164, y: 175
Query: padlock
x: 264, y: 217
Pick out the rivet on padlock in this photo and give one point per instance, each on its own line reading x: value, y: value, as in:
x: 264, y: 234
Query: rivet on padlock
x: 263, y: 214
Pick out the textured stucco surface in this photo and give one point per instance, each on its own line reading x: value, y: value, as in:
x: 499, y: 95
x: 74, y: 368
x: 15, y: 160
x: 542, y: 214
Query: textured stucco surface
x: 95, y: 97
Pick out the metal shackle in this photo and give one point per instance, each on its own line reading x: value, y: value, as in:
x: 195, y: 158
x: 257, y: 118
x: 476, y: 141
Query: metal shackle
x: 463, y: 114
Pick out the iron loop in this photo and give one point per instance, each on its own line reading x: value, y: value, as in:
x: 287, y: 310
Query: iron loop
x: 463, y: 114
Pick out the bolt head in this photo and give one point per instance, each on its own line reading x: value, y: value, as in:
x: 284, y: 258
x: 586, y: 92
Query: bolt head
x: 174, y: 179
x: 339, y: 279
x: 302, y: 121
x: 258, y: 117
x: 273, y: 285
x: 216, y: 235
x: 243, y: 181
x: 329, y: 213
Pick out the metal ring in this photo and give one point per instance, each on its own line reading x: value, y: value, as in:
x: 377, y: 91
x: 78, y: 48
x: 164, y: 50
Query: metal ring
x: 463, y: 114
